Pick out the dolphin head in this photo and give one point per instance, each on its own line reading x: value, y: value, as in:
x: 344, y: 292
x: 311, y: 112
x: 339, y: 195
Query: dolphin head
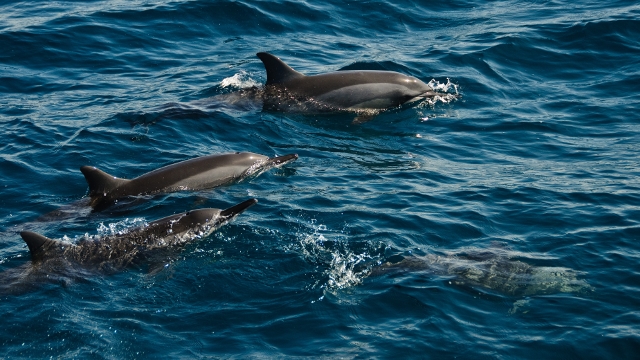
x: 281, y: 160
x: 254, y: 162
x: 200, y: 222
x: 194, y: 220
x: 263, y: 163
x: 252, y: 158
x: 416, y: 88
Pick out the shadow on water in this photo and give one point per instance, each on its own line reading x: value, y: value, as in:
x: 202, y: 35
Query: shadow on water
x: 169, y: 111
x: 244, y: 100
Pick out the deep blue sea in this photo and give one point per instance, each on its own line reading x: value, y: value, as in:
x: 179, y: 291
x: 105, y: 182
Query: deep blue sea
x: 536, y: 162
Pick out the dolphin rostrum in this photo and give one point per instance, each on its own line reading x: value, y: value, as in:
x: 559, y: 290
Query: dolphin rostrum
x: 120, y: 250
x: 341, y: 90
x: 492, y: 270
x: 195, y: 174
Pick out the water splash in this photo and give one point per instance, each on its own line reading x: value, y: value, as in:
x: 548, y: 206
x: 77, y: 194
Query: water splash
x: 241, y: 80
x: 447, y: 92
x: 437, y: 86
x: 343, y: 264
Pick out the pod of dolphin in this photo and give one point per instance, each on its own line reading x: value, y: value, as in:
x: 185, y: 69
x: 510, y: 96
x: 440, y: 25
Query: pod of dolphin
x: 285, y: 90
x: 203, y: 172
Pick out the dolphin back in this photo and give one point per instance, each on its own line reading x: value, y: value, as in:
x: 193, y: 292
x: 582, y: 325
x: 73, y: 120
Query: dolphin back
x: 277, y: 71
x: 100, y: 183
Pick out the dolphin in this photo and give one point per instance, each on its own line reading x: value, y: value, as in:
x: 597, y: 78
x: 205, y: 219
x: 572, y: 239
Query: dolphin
x: 342, y: 90
x: 365, y: 92
x: 118, y: 251
x: 195, y: 174
x: 492, y: 270
x: 56, y: 261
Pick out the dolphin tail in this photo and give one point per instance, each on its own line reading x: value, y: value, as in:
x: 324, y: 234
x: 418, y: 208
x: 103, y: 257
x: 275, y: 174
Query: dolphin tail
x: 100, y: 183
x: 238, y: 209
x: 277, y: 71
x: 38, y: 244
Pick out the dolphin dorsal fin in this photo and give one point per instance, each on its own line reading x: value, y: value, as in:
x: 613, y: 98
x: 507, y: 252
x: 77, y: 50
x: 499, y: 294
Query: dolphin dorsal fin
x: 277, y: 71
x: 38, y: 244
x: 99, y: 181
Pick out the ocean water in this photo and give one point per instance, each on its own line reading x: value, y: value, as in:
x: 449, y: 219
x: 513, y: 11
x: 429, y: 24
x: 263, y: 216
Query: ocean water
x: 535, y: 164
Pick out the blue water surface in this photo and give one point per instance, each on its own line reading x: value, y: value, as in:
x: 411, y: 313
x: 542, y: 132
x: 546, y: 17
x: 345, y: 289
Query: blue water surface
x: 537, y: 158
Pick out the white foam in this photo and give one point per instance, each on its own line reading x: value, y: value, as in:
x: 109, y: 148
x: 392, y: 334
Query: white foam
x: 240, y: 80
x: 342, y: 266
x: 120, y: 227
x: 446, y: 92
x: 437, y: 86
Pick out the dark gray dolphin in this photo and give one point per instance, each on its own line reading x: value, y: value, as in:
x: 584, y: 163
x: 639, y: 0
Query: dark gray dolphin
x: 342, y: 90
x: 118, y: 251
x: 55, y: 261
x: 491, y: 269
x: 194, y: 174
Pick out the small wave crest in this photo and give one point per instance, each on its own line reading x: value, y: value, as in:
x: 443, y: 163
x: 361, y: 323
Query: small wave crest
x: 117, y: 228
x: 113, y: 229
x: 241, y: 80
x: 121, y: 227
x: 129, y: 226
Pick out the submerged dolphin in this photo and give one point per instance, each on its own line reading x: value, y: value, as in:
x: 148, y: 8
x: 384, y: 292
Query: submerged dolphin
x: 491, y: 270
x: 343, y: 90
x: 194, y: 174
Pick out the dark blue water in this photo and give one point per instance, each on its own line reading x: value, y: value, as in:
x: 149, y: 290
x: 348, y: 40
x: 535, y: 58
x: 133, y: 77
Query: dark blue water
x: 538, y: 159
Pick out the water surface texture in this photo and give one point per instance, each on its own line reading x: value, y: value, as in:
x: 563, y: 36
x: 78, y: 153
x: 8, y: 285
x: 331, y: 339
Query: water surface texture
x: 534, y: 170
